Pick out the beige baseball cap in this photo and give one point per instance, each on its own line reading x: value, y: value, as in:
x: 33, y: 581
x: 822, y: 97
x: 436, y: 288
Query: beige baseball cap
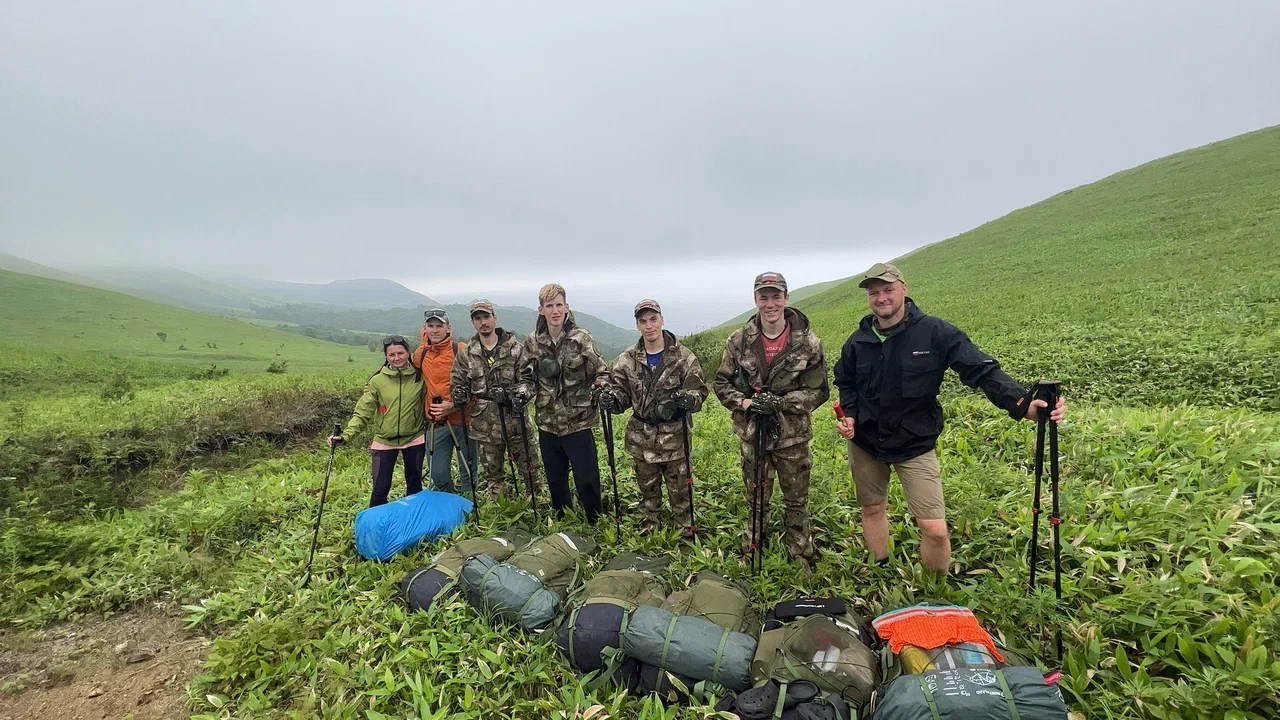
x: 881, y: 271
x: 482, y: 306
x: 647, y: 305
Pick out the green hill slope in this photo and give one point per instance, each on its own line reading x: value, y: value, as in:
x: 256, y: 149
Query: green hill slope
x: 1155, y: 286
x: 50, y: 324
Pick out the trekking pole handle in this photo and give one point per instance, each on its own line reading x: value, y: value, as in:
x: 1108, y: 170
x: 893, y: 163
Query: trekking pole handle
x: 337, y: 433
x: 835, y: 405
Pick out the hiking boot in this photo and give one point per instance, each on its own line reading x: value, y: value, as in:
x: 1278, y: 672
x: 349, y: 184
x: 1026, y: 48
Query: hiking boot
x: 649, y: 526
x: 805, y: 565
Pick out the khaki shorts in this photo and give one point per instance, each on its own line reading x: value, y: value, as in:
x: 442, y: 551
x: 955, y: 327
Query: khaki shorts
x: 921, y: 478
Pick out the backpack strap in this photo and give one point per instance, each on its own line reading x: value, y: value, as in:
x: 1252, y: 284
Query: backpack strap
x: 715, y: 669
x: 573, y: 620
x: 666, y: 642
x: 928, y: 698
x: 529, y: 600
x: 782, y: 700
x: 1008, y: 695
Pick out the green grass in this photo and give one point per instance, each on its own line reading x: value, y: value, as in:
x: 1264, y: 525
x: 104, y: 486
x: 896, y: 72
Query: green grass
x: 1158, y: 285
x: 1170, y: 557
x: 61, y: 322
x: 1152, y: 294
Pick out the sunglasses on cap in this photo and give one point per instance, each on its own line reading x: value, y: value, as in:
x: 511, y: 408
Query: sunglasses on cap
x: 390, y: 340
x: 437, y: 313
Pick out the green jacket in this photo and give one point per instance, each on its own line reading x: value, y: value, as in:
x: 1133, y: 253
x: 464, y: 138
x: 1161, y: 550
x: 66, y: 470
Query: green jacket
x: 392, y: 406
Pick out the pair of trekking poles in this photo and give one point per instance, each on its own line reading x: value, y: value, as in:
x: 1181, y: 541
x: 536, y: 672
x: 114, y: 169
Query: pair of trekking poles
x: 1048, y: 391
x: 606, y: 429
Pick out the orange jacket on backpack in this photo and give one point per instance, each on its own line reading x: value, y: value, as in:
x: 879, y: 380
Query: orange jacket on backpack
x: 436, y: 362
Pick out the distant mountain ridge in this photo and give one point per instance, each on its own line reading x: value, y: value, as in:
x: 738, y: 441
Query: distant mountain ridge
x: 341, y: 310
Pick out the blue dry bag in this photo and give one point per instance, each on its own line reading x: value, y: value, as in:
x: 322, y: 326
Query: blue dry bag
x: 386, y: 530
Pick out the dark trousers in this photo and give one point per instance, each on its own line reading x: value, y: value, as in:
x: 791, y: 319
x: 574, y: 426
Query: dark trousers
x: 384, y: 464
x: 576, y: 450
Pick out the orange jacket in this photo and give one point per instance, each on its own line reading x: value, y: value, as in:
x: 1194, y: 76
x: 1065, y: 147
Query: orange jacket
x: 436, y: 362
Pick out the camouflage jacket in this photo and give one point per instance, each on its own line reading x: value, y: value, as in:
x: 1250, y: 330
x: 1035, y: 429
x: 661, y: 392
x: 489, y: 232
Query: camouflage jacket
x: 476, y: 371
x: 798, y: 375
x: 640, y: 387
x: 562, y: 404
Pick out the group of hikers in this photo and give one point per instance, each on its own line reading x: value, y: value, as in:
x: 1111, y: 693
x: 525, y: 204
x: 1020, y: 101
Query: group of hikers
x: 468, y: 400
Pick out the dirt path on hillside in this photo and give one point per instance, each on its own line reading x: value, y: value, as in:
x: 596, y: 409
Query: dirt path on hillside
x: 133, y: 665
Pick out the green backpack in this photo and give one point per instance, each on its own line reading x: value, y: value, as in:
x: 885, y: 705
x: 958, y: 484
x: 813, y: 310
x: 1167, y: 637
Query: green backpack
x: 603, y: 606
x: 723, y: 602
x: 554, y: 560
x: 422, y: 586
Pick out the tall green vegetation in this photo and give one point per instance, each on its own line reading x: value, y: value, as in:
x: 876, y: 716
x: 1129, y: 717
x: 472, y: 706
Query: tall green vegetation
x: 1151, y: 294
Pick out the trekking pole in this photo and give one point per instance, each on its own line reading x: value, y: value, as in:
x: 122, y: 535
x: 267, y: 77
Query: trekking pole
x: 606, y: 429
x: 315, y: 533
x: 686, y: 421
x: 466, y: 464
x: 528, y: 469
x: 757, y: 551
x: 1052, y: 389
x: 1034, y: 557
x: 506, y: 440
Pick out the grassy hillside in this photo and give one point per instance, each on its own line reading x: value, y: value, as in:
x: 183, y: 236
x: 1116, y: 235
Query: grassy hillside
x: 53, y: 321
x: 1156, y: 286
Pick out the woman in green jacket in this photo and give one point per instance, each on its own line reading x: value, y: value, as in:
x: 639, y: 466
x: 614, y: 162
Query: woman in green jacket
x: 392, y: 405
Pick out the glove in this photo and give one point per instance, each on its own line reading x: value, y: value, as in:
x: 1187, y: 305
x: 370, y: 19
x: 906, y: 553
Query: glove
x: 499, y: 395
x: 610, y: 402
x: 518, y: 400
x: 598, y: 391
x: 766, y: 403
x: 685, y: 399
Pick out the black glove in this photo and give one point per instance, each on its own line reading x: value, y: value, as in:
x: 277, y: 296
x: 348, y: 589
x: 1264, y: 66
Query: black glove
x: 766, y: 403
x: 685, y: 399
x: 598, y: 391
x: 499, y: 395
x: 518, y: 400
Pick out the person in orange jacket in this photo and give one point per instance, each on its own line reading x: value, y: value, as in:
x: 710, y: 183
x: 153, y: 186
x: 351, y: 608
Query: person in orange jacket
x: 447, y: 425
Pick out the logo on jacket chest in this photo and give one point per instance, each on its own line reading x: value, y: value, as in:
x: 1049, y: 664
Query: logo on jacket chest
x: 918, y: 353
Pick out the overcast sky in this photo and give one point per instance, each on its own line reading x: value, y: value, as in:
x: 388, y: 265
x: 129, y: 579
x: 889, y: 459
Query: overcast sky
x: 665, y: 149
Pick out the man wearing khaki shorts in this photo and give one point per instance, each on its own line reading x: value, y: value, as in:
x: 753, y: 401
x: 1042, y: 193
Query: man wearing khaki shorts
x: 889, y: 374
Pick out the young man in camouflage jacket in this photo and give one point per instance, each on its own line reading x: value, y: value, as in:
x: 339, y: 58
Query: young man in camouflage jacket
x: 774, y: 366
x: 486, y: 374
x: 561, y: 362
x: 660, y: 381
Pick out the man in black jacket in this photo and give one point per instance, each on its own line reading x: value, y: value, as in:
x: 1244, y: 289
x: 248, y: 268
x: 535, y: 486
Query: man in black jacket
x: 889, y: 375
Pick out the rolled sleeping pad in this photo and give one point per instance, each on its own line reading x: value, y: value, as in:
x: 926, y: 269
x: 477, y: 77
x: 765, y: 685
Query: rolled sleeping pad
x: 384, y: 531
x: 508, y: 593
x: 690, y: 646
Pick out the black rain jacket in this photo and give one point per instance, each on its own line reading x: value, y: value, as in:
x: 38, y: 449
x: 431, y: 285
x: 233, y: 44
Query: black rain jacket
x: 890, y: 388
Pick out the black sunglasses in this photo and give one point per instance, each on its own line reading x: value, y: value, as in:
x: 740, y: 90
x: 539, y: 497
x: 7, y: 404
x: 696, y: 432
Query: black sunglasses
x: 390, y: 340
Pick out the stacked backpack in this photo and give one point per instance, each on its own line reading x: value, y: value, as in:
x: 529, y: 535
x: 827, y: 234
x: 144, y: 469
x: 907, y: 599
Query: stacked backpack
x: 966, y: 676
x: 697, y: 642
x: 814, y: 661
x: 527, y: 589
x: 422, y: 586
x: 600, y: 611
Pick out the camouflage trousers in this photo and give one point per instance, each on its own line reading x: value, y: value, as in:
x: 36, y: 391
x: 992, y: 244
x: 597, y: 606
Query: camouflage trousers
x: 792, y: 465
x: 650, y: 477
x: 493, y: 466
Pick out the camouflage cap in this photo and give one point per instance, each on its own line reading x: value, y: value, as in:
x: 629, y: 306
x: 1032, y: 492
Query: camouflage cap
x: 881, y: 271
x: 770, y: 280
x: 647, y: 305
x: 482, y: 306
